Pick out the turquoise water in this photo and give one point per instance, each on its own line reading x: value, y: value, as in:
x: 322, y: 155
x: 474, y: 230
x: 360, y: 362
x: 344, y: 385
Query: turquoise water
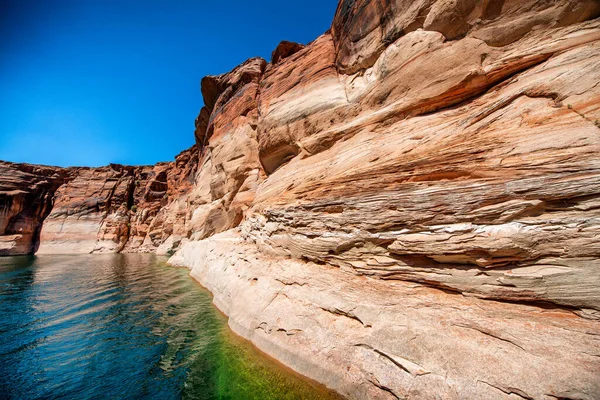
x: 125, y: 327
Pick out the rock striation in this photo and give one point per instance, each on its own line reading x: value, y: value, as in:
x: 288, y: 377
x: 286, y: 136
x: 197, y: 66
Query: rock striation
x: 26, y: 198
x: 376, y: 339
x: 407, y: 207
x: 52, y: 210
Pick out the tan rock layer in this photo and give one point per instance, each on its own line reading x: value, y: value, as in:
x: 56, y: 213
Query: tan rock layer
x: 370, y: 339
x: 496, y: 197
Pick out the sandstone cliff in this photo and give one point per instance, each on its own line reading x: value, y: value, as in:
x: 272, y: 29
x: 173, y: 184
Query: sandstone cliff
x: 26, y: 197
x: 52, y: 210
x: 407, y: 207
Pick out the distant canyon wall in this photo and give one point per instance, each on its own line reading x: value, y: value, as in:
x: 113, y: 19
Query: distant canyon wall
x: 26, y: 199
x: 52, y: 210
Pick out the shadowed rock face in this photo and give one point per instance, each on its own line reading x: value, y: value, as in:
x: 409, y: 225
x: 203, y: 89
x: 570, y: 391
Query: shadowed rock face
x: 157, y: 214
x: 26, y: 198
x: 284, y: 50
x: 407, y: 207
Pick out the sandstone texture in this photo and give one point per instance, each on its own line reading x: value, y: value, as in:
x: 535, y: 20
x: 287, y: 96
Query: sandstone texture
x: 26, y: 197
x: 406, y: 207
x: 375, y: 339
x: 52, y: 210
x: 120, y: 208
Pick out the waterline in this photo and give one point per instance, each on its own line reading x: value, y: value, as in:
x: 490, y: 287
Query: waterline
x: 125, y: 326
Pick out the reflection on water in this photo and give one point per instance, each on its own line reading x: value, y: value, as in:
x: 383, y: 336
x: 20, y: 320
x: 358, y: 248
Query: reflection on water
x: 124, y: 326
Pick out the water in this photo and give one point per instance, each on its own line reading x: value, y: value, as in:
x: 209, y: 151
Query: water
x: 125, y: 327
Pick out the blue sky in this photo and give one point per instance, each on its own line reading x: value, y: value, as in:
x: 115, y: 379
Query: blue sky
x: 90, y: 82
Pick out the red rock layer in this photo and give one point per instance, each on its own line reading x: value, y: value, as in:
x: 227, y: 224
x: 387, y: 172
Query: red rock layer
x: 26, y: 197
x: 89, y: 210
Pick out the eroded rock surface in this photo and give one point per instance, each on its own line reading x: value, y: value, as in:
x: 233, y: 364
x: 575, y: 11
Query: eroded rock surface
x: 442, y: 148
x: 363, y: 29
x: 374, y: 339
x: 90, y: 213
x: 26, y: 198
x: 52, y: 210
x: 496, y: 197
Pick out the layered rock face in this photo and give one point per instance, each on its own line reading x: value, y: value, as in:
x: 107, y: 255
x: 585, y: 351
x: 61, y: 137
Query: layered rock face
x: 497, y: 197
x: 229, y: 168
x: 407, y: 207
x: 158, y: 220
x: 428, y: 226
x: 52, y: 210
x: 90, y: 212
x: 26, y: 196
x: 118, y: 208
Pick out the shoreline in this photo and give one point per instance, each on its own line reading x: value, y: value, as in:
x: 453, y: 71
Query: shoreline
x: 312, y: 382
x: 365, y: 338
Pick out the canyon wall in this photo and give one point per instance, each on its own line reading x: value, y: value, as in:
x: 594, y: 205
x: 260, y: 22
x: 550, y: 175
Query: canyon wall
x: 26, y: 198
x: 407, y: 207
x: 52, y: 210
x: 426, y: 219
x: 119, y: 208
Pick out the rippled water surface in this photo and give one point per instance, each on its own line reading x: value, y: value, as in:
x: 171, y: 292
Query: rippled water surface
x: 124, y: 327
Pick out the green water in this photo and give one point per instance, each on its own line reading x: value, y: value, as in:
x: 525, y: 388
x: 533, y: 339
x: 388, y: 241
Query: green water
x: 125, y: 327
